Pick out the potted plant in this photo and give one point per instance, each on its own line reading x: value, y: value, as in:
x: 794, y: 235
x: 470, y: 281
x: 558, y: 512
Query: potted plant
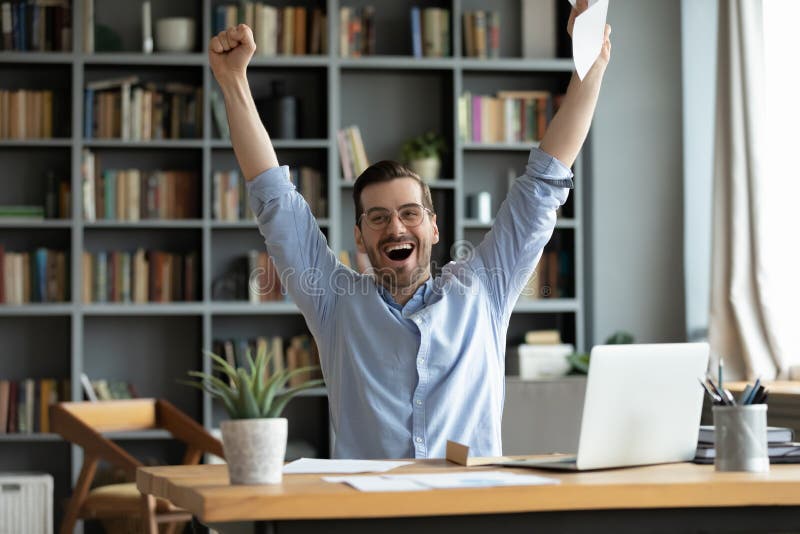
x: 580, y: 360
x: 423, y: 153
x: 254, y: 439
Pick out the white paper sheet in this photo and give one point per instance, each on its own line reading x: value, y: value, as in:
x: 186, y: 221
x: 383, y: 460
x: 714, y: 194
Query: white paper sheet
x: 315, y: 465
x: 474, y: 479
x: 429, y: 481
x: 587, y: 36
x: 378, y: 483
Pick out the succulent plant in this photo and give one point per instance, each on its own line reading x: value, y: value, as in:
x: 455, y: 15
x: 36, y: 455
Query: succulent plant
x: 580, y: 360
x: 247, y: 394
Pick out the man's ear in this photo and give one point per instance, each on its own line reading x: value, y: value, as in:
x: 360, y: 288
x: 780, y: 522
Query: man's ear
x: 359, y: 239
x: 435, y: 229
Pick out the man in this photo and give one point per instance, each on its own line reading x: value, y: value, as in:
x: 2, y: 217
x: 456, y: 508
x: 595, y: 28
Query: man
x: 410, y: 361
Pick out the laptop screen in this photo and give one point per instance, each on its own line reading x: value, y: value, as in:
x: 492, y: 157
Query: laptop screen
x: 642, y: 404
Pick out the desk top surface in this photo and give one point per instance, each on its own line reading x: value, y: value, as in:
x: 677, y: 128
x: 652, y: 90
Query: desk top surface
x: 779, y: 387
x: 204, y: 490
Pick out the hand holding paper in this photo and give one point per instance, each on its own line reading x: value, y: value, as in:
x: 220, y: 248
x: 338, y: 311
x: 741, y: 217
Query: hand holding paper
x: 590, y: 34
x: 570, y: 125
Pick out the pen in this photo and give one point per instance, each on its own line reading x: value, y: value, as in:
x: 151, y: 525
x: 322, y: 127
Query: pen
x: 713, y: 396
x: 758, y: 397
x: 719, y: 372
x: 722, y: 397
x: 745, y: 393
x: 752, y: 394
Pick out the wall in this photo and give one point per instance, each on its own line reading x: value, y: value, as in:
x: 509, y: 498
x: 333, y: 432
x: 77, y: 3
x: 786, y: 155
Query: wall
x: 635, y: 216
x: 699, y: 43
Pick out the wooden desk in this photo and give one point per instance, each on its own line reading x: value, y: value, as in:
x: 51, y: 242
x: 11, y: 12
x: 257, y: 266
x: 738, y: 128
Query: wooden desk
x: 662, y: 498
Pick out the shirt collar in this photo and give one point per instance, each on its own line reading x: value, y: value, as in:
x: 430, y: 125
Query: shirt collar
x: 415, y: 302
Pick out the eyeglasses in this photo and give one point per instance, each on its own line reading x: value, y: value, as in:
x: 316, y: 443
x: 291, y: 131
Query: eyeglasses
x: 409, y: 214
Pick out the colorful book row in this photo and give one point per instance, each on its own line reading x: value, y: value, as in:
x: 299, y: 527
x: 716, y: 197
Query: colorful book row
x: 36, y: 25
x: 128, y: 109
x: 25, y: 404
x: 481, y: 34
x: 430, y: 32
x: 133, y: 194
x: 351, y: 152
x: 26, y: 114
x: 139, y: 277
x: 39, y: 276
x: 288, y: 30
x: 356, y: 31
x: 508, y: 117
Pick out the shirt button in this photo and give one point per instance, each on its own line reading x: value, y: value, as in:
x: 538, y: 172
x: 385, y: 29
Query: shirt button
x: 420, y: 361
x: 419, y: 402
x: 418, y: 439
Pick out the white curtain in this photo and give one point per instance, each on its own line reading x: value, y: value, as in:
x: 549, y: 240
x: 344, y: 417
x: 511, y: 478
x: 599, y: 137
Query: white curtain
x: 741, y: 325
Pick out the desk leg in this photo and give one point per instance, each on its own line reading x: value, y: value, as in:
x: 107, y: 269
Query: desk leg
x: 265, y: 527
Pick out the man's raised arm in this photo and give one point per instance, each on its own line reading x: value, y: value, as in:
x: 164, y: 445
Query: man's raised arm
x: 567, y: 131
x: 291, y: 234
x: 229, y: 52
x: 526, y: 219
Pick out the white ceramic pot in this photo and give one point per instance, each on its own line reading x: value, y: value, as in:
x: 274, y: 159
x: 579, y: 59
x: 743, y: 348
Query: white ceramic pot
x: 255, y: 449
x: 175, y: 34
x: 426, y: 168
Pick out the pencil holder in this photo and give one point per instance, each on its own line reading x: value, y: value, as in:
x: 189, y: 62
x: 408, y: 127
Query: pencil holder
x: 740, y: 438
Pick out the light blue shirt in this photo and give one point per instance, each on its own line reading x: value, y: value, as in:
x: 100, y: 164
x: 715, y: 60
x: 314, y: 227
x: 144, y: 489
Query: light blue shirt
x: 402, y: 380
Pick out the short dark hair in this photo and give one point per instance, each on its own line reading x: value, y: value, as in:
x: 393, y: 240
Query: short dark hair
x: 386, y: 171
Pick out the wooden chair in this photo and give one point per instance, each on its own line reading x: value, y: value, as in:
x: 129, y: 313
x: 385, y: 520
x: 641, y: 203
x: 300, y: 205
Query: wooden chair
x: 81, y: 423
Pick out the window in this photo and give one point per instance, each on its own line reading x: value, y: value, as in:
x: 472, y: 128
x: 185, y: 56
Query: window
x: 780, y: 189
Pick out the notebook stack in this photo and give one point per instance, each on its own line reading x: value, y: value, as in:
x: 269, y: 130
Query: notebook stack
x: 781, y: 447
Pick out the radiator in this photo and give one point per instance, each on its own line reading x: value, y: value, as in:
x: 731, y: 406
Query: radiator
x: 26, y: 503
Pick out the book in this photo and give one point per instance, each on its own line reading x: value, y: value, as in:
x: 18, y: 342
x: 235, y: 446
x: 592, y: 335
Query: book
x: 5, y: 13
x: 416, y: 32
x: 266, y: 33
x: 538, y: 30
x: 88, y: 390
x: 5, y: 387
x: 543, y: 337
x: 784, y: 452
x: 775, y: 434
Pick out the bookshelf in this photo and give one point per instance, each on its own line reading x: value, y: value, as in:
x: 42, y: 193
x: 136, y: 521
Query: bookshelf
x: 391, y: 96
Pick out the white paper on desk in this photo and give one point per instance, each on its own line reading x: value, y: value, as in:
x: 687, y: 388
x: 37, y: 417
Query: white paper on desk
x: 474, y: 479
x: 378, y: 483
x: 587, y: 36
x: 316, y: 465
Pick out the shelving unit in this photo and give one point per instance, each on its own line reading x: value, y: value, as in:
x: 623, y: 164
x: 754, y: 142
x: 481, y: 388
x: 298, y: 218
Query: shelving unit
x: 391, y: 96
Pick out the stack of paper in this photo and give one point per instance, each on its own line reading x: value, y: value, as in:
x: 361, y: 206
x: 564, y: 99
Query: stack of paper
x: 315, y: 465
x: 428, y: 481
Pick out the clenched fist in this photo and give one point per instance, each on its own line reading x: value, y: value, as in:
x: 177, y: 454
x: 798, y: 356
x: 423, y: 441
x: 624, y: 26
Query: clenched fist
x: 229, y: 52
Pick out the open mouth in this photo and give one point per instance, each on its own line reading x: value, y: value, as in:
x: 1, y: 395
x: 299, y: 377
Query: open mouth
x: 398, y: 251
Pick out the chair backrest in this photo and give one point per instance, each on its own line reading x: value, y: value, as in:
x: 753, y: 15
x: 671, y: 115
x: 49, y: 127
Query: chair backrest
x: 115, y: 415
x: 81, y: 423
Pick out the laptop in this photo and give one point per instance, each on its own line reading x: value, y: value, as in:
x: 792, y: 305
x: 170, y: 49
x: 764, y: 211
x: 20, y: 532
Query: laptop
x: 642, y: 407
